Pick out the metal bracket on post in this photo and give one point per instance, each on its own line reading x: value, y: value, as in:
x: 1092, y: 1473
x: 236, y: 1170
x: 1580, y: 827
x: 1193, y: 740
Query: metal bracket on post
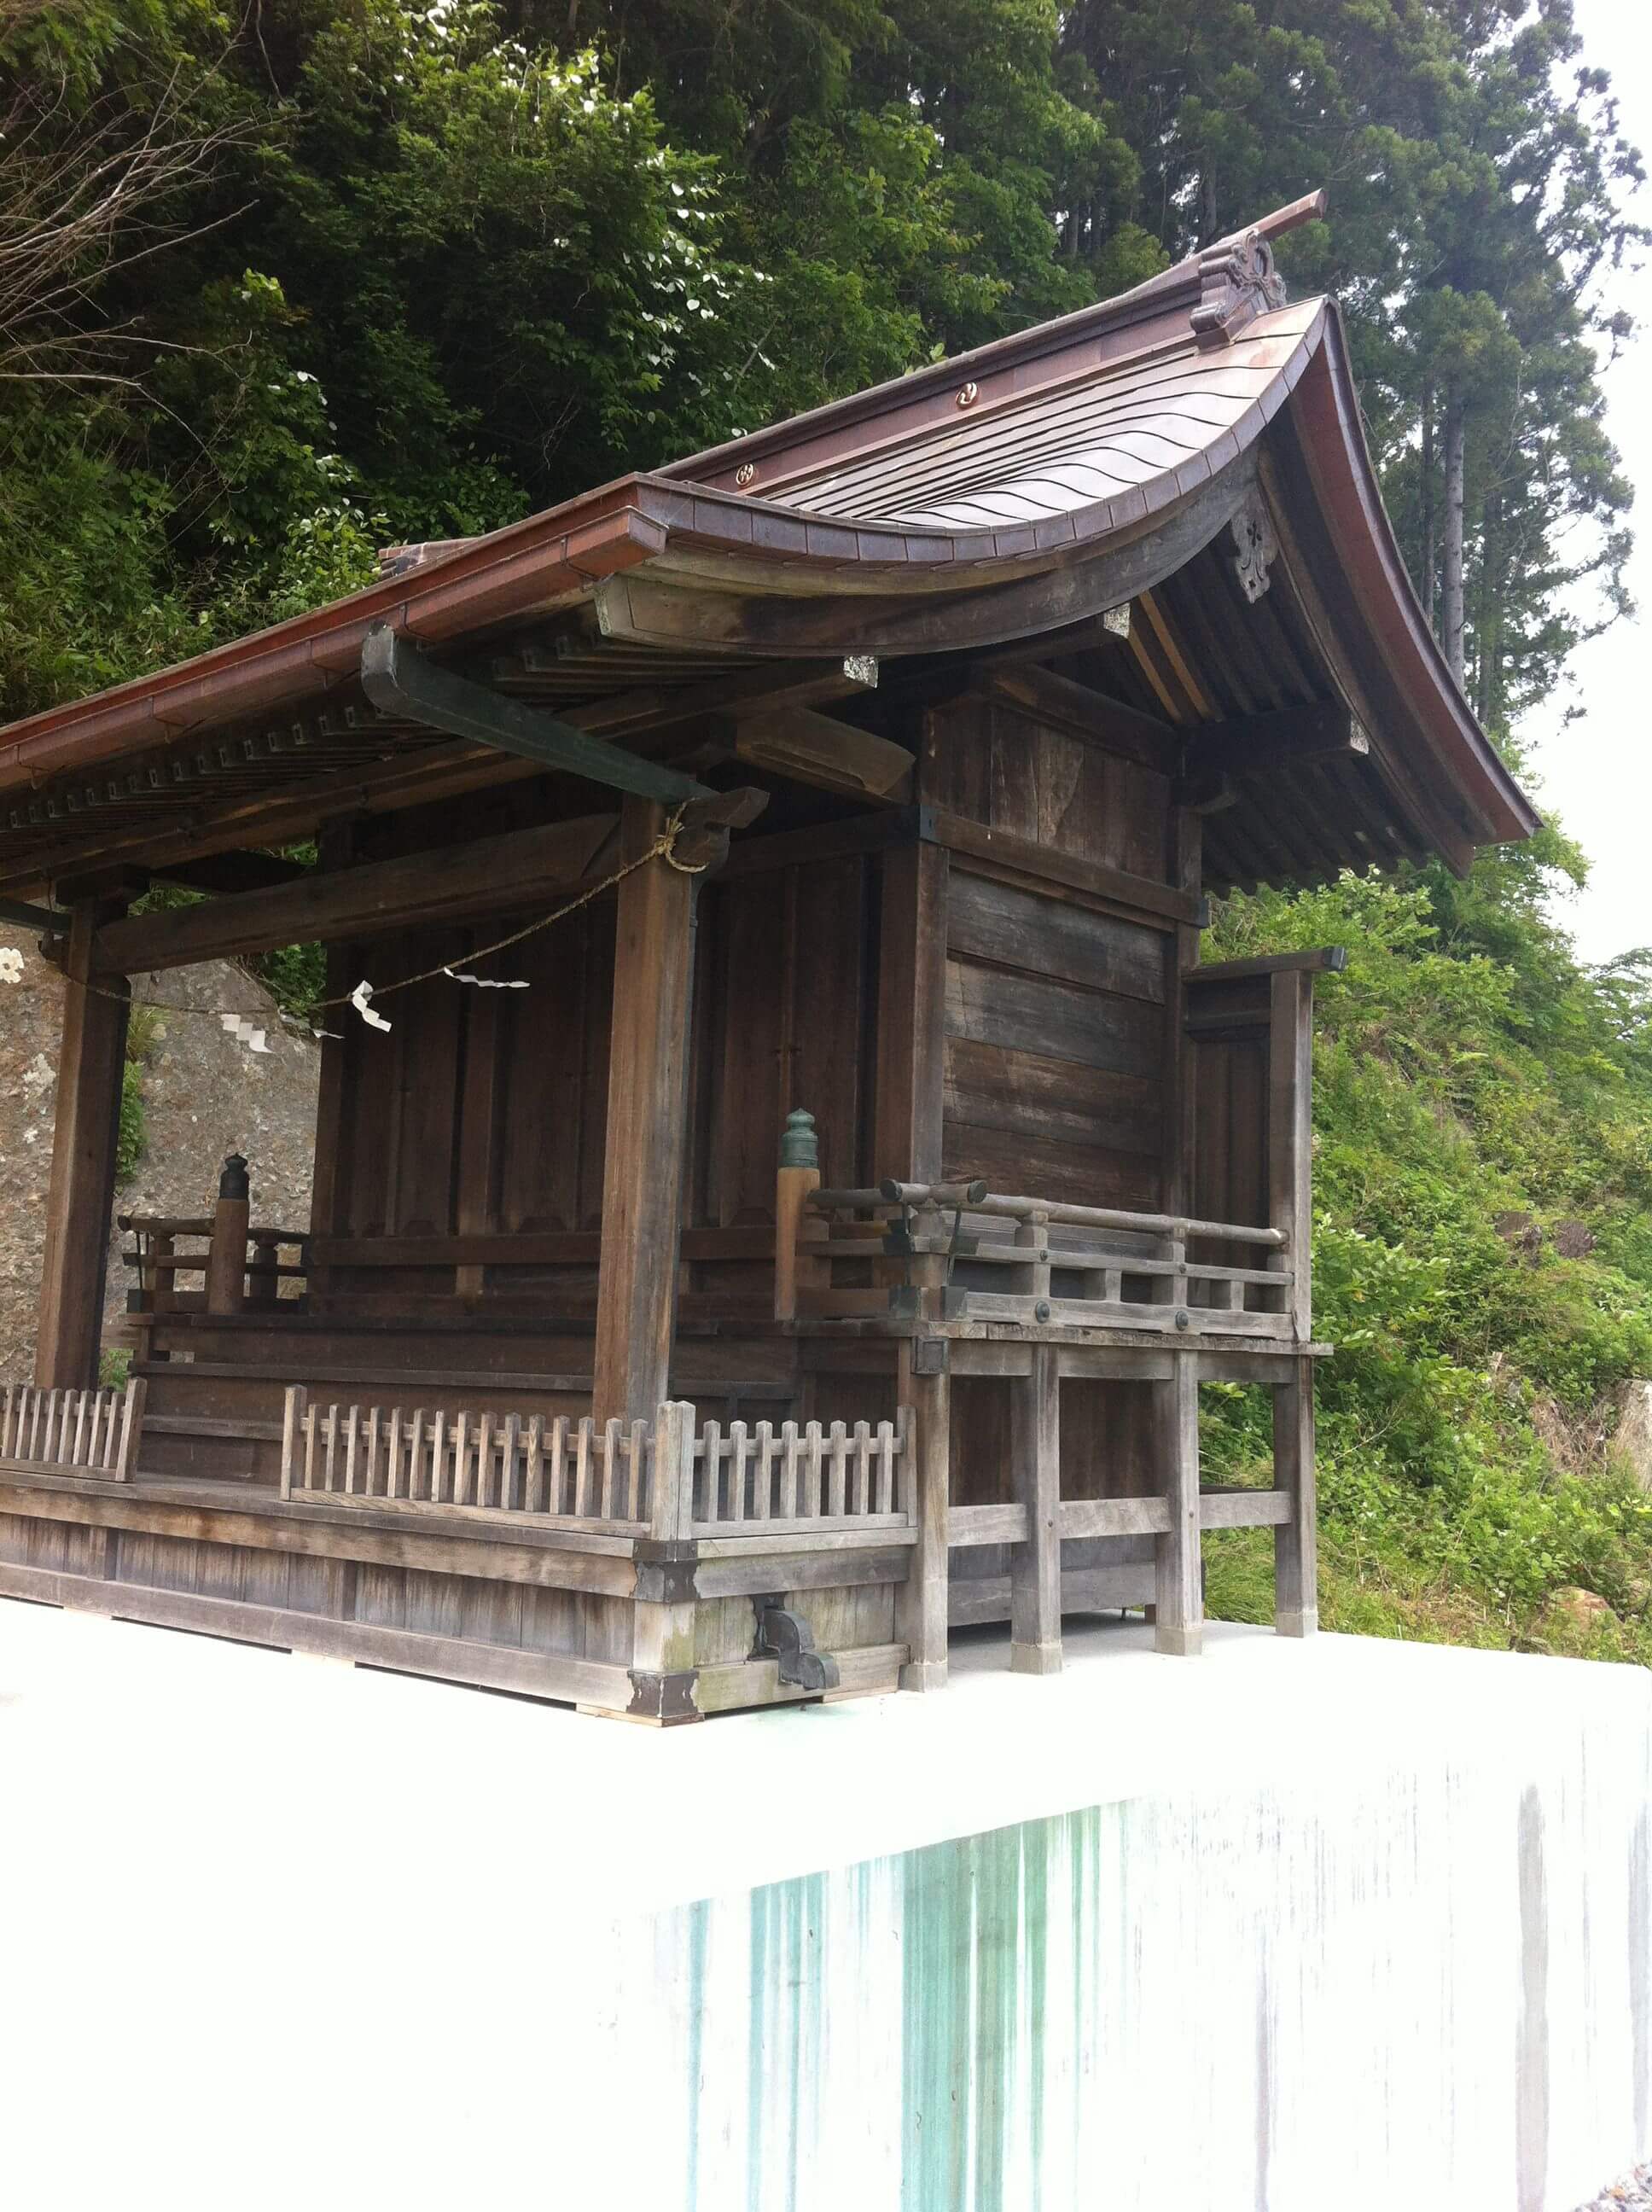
x: 788, y: 1637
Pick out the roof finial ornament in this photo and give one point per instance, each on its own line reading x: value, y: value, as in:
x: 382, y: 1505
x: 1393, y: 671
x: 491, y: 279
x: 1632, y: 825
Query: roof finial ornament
x: 1258, y: 543
x: 1237, y: 281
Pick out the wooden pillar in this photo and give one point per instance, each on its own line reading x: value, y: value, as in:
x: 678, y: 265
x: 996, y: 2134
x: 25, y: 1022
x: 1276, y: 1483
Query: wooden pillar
x: 1180, y: 1607
x: 663, y: 1670
x: 1296, y: 1542
x: 1035, y: 1565
x: 921, y: 1602
x: 80, y: 1195
x: 1291, y: 1136
x: 908, y: 1095
x: 647, y: 1127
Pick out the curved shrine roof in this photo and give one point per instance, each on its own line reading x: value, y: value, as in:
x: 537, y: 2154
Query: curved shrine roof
x: 1017, y: 494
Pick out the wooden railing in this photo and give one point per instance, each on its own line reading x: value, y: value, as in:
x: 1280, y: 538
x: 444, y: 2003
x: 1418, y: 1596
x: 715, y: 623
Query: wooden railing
x: 672, y: 1478
x: 959, y: 1252
x: 253, y: 1278
x: 72, y: 1431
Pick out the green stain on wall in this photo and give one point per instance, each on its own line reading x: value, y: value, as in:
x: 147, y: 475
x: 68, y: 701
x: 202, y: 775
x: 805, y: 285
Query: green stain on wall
x: 975, y: 1923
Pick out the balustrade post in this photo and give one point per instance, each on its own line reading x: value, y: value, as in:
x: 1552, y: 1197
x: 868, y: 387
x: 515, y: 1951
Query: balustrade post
x: 226, y: 1268
x: 798, y: 1176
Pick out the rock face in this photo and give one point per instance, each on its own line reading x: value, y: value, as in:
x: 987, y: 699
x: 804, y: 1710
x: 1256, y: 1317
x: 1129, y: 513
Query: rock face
x: 204, y: 1095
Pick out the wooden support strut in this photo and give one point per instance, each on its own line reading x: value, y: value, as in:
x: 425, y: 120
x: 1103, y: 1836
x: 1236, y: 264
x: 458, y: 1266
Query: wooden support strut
x: 1179, y: 1596
x: 400, y: 681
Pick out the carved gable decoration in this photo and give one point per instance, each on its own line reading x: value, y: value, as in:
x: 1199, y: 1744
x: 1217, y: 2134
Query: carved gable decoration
x: 1237, y: 280
x: 1258, y: 543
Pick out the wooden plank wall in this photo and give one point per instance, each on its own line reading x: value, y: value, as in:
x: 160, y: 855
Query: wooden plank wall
x: 1057, y: 1005
x: 483, y: 1113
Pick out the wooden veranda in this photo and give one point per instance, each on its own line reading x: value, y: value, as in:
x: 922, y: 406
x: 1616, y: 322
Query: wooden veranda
x: 826, y: 1240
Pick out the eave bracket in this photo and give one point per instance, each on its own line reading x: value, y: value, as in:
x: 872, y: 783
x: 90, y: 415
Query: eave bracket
x: 399, y: 681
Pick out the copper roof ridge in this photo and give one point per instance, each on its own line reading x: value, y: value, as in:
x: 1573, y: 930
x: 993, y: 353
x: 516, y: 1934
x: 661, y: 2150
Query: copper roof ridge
x: 1155, y: 296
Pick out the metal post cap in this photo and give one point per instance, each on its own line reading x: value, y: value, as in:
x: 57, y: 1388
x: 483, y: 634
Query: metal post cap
x: 232, y: 1182
x: 799, y: 1148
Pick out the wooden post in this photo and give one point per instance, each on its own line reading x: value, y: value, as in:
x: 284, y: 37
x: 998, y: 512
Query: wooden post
x: 132, y: 1428
x: 920, y: 1601
x: 663, y: 1670
x: 292, y: 1428
x: 1035, y: 1565
x: 799, y: 1174
x: 226, y: 1270
x: 81, y: 1197
x: 1291, y: 1136
x: 1179, y: 1614
x: 647, y: 1127
x: 1296, y: 1542
x: 908, y: 1078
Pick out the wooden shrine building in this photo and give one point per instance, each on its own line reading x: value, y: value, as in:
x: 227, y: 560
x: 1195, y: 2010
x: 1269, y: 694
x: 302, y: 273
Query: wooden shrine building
x: 829, y: 1243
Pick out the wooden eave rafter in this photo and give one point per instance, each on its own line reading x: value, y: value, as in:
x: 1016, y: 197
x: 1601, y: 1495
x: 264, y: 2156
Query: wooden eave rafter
x: 687, y: 570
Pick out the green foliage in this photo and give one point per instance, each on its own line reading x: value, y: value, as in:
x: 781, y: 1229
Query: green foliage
x: 131, y: 1137
x: 1468, y: 1073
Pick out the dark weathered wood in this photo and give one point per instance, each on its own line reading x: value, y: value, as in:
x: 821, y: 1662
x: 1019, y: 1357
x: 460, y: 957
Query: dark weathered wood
x: 483, y: 876
x: 1138, y: 895
x: 1296, y: 1556
x: 1091, y: 714
x: 1036, y: 1563
x: 233, y: 873
x: 647, y: 1131
x: 1273, y: 743
x: 815, y: 749
x: 80, y: 1197
x: 1014, y: 928
x: 910, y: 1079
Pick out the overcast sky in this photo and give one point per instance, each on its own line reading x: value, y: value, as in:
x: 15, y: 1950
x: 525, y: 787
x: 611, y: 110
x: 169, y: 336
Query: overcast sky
x: 1597, y: 771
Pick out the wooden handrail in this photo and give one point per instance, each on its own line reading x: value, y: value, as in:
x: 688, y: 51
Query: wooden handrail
x: 974, y: 1197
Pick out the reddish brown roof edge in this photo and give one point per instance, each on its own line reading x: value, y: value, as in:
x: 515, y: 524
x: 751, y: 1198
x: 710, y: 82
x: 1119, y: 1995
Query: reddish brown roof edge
x: 1327, y: 410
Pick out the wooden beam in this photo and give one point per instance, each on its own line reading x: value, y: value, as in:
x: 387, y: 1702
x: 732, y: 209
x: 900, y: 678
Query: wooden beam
x: 1321, y: 960
x: 221, y: 873
x: 1263, y: 744
x: 813, y: 748
x: 1138, y: 893
x: 647, y: 1127
x: 40, y: 919
x: 80, y: 1199
x: 1036, y: 1563
x: 401, y: 682
x: 1075, y: 708
x: 447, y: 884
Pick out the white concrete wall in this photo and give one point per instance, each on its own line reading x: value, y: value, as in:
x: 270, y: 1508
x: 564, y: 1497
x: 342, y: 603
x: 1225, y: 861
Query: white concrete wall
x: 1347, y: 1924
